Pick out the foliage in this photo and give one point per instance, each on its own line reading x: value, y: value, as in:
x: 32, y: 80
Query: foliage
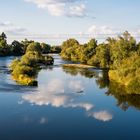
x: 17, y: 48
x: 127, y: 72
x: 24, y: 70
x: 55, y: 49
x: 34, y: 46
x: 121, y: 55
x: 4, y: 47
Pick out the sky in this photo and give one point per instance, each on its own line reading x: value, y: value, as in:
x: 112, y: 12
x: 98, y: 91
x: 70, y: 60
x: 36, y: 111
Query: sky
x: 46, y: 19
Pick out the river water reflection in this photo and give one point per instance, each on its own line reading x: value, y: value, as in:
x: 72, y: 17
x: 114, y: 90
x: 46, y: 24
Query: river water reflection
x: 68, y: 104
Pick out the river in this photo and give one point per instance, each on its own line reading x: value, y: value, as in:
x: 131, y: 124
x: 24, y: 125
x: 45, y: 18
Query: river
x: 68, y: 104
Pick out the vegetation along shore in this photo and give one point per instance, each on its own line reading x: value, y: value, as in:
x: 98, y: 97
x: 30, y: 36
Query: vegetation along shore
x: 121, y: 56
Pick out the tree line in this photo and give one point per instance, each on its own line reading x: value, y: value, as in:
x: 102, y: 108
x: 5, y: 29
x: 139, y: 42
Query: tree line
x: 120, y: 55
x: 18, y: 48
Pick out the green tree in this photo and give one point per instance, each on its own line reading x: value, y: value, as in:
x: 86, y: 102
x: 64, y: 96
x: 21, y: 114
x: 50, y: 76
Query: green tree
x: 16, y: 48
x: 34, y: 46
x: 45, y: 48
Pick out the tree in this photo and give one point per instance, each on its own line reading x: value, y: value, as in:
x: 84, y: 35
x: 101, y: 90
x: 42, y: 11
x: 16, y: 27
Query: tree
x: 4, y: 47
x: 25, y: 43
x: 16, y: 48
x: 34, y: 46
x: 3, y: 36
x: 69, y: 43
x: 45, y: 48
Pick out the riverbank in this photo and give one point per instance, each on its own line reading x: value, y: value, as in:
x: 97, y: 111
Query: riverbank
x: 78, y: 66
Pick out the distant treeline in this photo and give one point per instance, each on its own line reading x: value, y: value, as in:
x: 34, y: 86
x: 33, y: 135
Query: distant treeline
x: 120, y: 55
x: 17, y: 48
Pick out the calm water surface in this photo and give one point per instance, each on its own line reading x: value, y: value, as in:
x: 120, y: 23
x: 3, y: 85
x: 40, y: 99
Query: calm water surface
x: 68, y: 104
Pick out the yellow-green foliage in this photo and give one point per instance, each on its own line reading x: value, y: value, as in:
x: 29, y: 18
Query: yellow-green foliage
x: 25, y: 80
x: 128, y: 72
x: 125, y: 97
x: 35, y: 46
x: 14, y: 63
x: 121, y: 55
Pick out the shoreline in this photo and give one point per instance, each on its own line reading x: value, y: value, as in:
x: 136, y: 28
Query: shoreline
x: 78, y: 66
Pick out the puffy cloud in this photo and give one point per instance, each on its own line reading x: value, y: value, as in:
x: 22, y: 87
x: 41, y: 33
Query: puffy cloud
x: 56, y: 9
x: 101, y: 30
x: 78, y: 11
x: 101, y: 115
x: 70, y: 8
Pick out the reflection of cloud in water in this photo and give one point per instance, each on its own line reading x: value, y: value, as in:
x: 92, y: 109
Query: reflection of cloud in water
x: 43, y: 120
x: 101, y: 115
x: 55, y: 86
x: 57, y: 93
x: 60, y: 94
x: 20, y: 102
x: 86, y: 106
x: 76, y: 86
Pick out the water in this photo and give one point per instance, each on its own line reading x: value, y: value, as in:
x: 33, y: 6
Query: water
x: 68, y: 104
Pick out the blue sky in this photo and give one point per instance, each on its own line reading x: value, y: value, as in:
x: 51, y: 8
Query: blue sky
x: 23, y: 17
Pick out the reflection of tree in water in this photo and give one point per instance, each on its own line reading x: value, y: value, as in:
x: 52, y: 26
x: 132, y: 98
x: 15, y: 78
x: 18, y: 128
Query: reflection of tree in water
x: 3, y: 69
x: 103, y: 80
x: 126, y: 96
x: 83, y: 72
x: 101, y: 76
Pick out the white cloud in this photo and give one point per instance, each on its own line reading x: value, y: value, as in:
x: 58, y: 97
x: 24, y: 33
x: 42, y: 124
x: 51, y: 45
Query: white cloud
x: 70, y: 8
x: 101, y: 30
x: 108, y: 30
x: 56, y: 9
x: 101, y: 115
x: 11, y: 29
x: 78, y: 11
